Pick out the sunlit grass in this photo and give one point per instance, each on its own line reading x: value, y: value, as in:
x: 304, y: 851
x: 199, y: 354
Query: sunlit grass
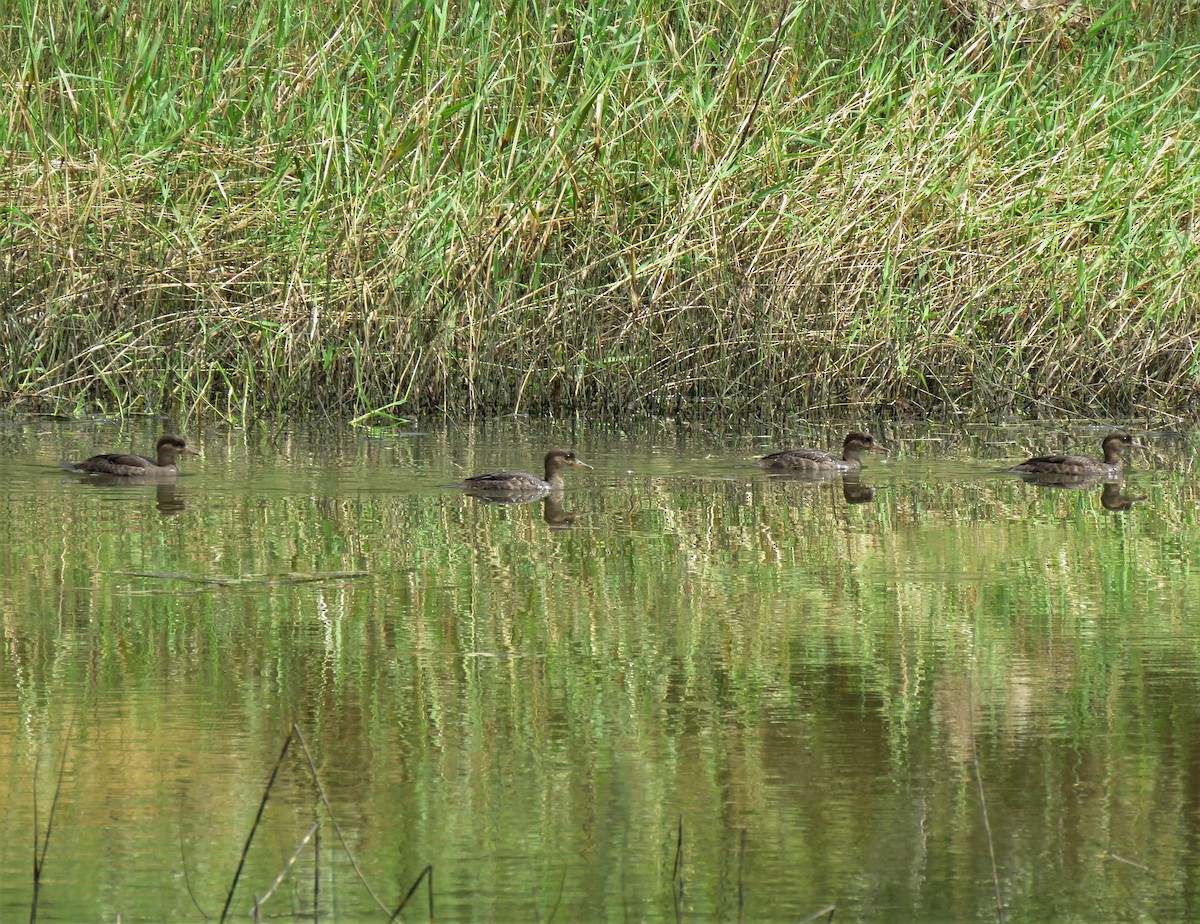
x: 374, y: 211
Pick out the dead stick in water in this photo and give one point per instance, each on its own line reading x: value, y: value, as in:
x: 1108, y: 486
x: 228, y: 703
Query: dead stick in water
x: 742, y: 877
x: 39, y: 862
x: 427, y: 871
x: 262, y: 805
x: 312, y: 766
x: 987, y: 826
x: 259, y: 902
x: 317, y: 879
x: 677, y: 873
x: 183, y: 860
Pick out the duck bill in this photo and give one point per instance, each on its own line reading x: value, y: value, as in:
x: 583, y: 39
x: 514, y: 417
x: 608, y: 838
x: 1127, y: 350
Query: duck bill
x: 188, y: 452
x: 875, y: 447
x: 579, y: 463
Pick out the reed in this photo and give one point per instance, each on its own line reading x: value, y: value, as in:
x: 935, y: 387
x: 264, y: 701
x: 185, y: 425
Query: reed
x: 367, y: 210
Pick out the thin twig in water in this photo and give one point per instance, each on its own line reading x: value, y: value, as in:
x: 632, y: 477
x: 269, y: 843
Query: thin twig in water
x: 1121, y: 859
x: 39, y: 861
x: 317, y: 879
x: 36, y: 830
x: 742, y: 877
x: 677, y: 872
x: 187, y: 879
x: 312, y: 766
x: 427, y: 871
x: 558, y: 898
x: 258, y: 902
x: 987, y: 826
x: 262, y: 805
x: 827, y: 910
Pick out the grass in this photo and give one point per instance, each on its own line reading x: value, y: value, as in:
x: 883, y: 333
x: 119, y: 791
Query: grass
x: 376, y: 211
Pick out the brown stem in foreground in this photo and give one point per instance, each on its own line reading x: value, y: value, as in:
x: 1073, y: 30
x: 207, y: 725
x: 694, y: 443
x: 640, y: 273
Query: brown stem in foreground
x: 39, y: 861
x: 262, y: 805
x: 987, y: 826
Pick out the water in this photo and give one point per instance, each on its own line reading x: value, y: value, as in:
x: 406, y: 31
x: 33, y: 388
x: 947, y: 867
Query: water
x: 693, y: 688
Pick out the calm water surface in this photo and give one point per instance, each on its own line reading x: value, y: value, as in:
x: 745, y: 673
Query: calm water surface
x: 830, y: 694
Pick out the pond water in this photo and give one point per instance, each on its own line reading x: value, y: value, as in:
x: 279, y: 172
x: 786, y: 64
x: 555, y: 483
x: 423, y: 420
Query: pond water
x: 689, y: 691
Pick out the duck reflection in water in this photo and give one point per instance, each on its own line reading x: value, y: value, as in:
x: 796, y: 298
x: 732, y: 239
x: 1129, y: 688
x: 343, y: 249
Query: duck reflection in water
x: 167, y: 497
x: 1112, y: 496
x: 853, y: 489
x: 553, y: 512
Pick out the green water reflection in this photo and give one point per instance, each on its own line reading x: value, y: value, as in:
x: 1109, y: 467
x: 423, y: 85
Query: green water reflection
x: 826, y: 681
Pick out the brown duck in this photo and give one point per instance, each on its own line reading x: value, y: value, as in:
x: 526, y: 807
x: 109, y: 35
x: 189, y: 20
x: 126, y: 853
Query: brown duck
x: 818, y: 460
x: 496, y: 482
x: 130, y: 466
x: 1076, y: 466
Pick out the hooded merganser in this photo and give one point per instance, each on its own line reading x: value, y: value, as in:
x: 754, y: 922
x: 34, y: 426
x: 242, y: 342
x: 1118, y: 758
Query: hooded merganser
x: 496, y: 482
x: 1082, y: 465
x: 131, y: 466
x: 814, y: 460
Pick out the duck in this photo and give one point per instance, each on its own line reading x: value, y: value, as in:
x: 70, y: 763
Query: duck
x: 523, y: 482
x: 818, y: 460
x: 1082, y: 466
x: 130, y: 466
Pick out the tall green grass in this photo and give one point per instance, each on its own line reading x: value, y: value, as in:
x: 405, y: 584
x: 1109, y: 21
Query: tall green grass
x: 366, y: 210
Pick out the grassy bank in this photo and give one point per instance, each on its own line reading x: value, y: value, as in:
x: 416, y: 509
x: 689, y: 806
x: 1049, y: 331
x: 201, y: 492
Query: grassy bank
x: 365, y: 209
